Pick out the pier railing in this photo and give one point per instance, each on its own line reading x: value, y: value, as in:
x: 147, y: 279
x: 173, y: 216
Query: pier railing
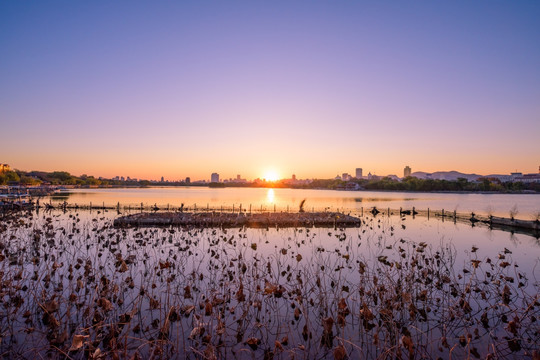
x: 452, y: 215
x: 529, y: 226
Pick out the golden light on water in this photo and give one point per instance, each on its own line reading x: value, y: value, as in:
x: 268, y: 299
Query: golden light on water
x: 270, y: 196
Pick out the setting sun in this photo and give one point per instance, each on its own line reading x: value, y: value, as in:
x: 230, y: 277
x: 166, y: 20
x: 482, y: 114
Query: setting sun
x: 271, y: 176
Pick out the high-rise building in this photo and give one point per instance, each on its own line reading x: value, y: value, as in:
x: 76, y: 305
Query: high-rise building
x: 293, y: 177
x: 358, y: 173
x: 214, y: 178
x: 162, y: 179
x: 188, y: 180
x: 238, y: 177
x: 407, y: 171
x: 345, y: 177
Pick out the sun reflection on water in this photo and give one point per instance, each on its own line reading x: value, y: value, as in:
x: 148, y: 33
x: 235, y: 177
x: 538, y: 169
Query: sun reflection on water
x: 270, y: 196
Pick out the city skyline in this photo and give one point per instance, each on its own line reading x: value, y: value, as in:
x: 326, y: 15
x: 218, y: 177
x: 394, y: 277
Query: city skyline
x: 274, y: 177
x: 314, y: 89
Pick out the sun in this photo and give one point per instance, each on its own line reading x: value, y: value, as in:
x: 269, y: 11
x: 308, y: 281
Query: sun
x: 271, y: 175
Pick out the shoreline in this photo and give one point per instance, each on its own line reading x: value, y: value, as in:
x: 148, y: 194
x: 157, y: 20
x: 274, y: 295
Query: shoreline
x: 522, y: 192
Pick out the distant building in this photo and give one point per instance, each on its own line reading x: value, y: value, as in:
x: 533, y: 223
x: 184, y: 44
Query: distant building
x: 528, y: 178
x: 407, y: 171
x: 293, y: 177
x: 4, y: 168
x: 515, y: 175
x: 162, y: 179
x: 345, y: 177
x: 358, y: 173
x: 188, y: 180
x: 214, y: 178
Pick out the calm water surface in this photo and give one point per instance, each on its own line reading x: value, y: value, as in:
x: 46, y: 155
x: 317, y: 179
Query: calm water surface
x: 527, y: 206
x: 316, y: 268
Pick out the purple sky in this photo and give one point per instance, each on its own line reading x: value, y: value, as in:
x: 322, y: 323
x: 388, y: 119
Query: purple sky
x: 176, y: 89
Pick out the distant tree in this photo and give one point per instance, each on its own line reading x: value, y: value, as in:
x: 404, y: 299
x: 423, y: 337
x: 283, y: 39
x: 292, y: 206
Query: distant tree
x: 462, y: 183
x: 90, y: 180
x: 61, y: 176
x: 27, y: 180
x: 486, y: 184
x: 9, y: 176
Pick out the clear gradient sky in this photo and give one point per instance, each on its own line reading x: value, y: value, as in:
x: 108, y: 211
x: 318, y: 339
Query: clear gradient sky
x: 316, y: 88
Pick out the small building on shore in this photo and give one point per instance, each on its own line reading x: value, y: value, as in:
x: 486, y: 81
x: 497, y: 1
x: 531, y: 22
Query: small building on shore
x: 4, y: 168
x: 528, y: 178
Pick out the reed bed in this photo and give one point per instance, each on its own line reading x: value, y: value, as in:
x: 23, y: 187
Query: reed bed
x: 74, y: 287
x: 219, y: 219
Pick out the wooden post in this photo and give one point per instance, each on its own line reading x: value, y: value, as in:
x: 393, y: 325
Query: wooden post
x: 287, y: 208
x: 388, y: 211
x: 250, y: 209
x: 362, y: 210
x: 428, y: 213
x: 240, y: 211
x: 274, y: 207
x: 167, y: 206
x: 233, y: 208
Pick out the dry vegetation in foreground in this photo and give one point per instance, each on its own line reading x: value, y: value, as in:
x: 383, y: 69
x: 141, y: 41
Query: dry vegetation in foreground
x: 73, y: 286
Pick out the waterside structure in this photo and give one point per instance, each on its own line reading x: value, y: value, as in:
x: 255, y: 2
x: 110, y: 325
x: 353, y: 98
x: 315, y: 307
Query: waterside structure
x: 22, y: 197
x: 15, y: 202
x: 216, y: 218
x: 234, y: 220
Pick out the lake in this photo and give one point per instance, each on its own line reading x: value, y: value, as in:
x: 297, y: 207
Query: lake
x: 395, y: 287
x: 527, y: 206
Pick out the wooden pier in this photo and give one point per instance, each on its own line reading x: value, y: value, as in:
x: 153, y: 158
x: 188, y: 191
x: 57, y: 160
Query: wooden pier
x: 254, y: 216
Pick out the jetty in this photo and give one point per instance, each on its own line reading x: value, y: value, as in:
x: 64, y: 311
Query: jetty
x: 238, y: 220
x: 526, y: 227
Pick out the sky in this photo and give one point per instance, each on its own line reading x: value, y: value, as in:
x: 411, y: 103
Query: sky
x: 312, y: 88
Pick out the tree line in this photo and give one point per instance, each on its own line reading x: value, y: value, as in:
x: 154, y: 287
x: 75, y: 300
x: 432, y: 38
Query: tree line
x: 386, y: 184
x: 428, y: 185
